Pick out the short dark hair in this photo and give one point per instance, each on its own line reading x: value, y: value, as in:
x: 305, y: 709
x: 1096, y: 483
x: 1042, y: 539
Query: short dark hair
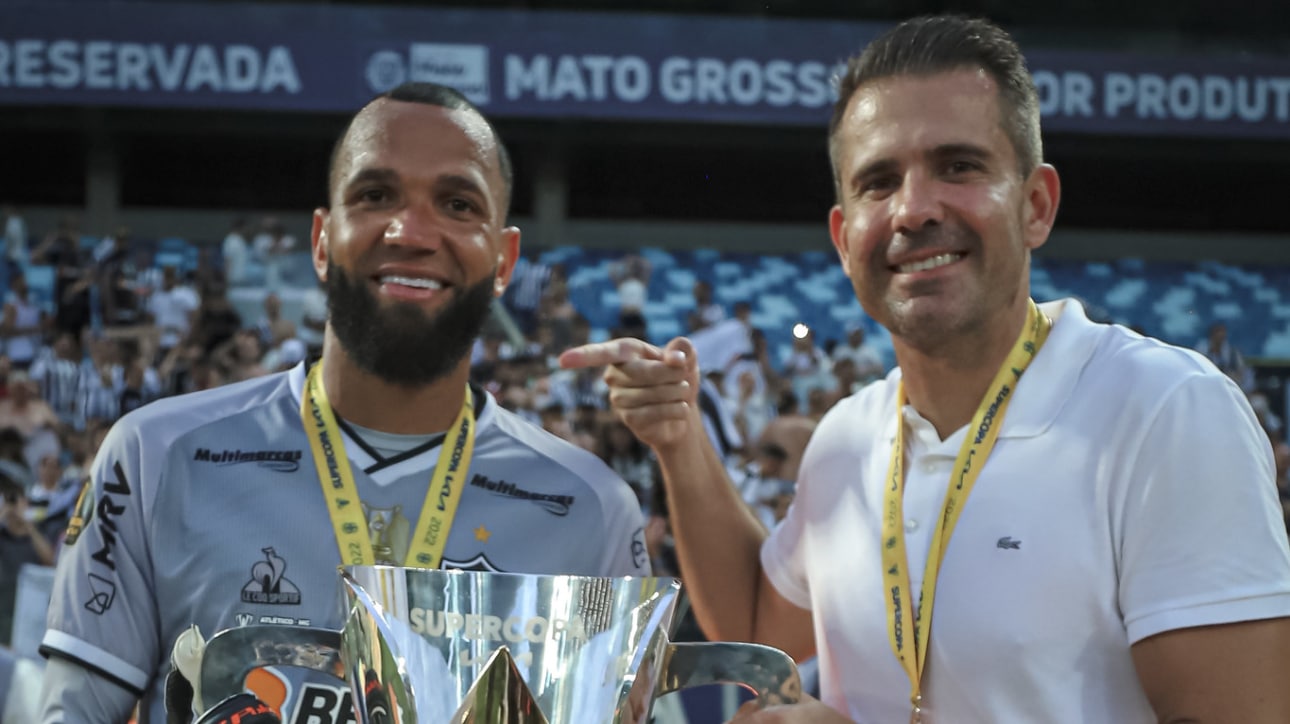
x: 932, y: 44
x: 433, y: 94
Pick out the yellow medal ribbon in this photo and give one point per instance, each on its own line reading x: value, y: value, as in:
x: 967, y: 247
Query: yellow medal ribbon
x: 982, y: 434
x: 337, y: 480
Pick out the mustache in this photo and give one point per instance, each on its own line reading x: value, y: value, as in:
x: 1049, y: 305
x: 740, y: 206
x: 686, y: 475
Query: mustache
x: 940, y: 237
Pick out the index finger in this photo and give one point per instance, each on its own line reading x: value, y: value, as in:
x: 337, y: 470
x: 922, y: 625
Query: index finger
x: 615, y: 351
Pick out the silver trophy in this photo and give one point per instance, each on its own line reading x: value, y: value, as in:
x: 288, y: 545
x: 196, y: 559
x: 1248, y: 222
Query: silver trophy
x: 424, y: 646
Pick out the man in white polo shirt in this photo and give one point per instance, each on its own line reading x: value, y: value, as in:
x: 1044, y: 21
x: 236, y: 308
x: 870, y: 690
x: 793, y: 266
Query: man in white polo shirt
x: 1036, y: 518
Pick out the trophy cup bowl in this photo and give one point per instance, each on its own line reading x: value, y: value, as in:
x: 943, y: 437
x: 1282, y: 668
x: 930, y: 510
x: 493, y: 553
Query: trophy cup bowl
x: 423, y: 646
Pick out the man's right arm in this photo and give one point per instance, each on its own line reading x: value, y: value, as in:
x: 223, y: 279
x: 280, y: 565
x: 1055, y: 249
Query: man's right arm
x: 718, y: 539
x: 72, y: 694
x: 102, y: 624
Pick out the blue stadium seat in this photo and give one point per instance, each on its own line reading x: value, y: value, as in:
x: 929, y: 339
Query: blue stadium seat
x: 1175, y: 301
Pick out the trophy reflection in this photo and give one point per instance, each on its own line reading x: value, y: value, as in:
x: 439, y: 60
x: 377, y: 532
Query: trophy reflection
x: 424, y: 646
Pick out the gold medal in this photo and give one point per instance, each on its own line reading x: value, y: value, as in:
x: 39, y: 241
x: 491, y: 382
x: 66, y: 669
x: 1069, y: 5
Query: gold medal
x: 355, y: 539
x: 390, y: 534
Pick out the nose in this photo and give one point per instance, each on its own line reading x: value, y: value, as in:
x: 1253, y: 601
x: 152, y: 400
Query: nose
x: 916, y: 204
x: 414, y: 225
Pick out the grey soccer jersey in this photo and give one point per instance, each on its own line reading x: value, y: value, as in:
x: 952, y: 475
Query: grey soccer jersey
x: 207, y: 509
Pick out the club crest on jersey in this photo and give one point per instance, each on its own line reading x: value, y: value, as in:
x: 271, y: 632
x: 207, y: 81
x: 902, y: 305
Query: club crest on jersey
x: 478, y: 563
x: 268, y: 584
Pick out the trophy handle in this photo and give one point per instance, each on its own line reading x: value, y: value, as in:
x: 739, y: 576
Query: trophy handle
x: 765, y: 671
x: 232, y: 654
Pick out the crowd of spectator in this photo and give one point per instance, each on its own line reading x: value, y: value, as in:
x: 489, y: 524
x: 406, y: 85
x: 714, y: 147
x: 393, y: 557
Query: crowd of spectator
x: 120, y: 331
x: 126, y: 330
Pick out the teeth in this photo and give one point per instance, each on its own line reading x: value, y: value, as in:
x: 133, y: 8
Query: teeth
x: 412, y: 282
x: 924, y: 265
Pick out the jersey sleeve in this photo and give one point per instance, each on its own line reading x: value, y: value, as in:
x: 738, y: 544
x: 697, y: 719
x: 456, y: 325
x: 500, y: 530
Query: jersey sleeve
x: 72, y: 694
x: 102, y: 612
x: 1202, y: 540
x: 625, y: 550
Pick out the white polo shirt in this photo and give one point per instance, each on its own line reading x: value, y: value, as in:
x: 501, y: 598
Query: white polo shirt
x: 1130, y: 493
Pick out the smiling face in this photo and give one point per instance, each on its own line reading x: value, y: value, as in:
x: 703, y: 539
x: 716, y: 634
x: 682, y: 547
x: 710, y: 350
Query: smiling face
x: 935, y: 223
x: 414, y: 246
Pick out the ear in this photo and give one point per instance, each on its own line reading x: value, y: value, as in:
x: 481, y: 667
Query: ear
x: 318, y: 241
x: 507, y: 255
x: 1043, y: 194
x: 837, y: 232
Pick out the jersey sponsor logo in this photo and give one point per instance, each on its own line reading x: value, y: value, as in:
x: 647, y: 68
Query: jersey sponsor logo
x: 102, y: 594
x: 478, y: 563
x: 108, y: 511
x: 268, y: 584
x: 243, y: 619
x: 553, y: 504
x: 281, y: 461
x: 82, y: 513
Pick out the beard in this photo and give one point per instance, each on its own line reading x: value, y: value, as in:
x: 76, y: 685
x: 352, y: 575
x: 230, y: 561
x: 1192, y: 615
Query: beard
x: 400, y: 343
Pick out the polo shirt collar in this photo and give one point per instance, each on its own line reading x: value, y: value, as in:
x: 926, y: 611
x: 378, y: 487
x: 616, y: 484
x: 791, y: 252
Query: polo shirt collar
x: 1050, y: 379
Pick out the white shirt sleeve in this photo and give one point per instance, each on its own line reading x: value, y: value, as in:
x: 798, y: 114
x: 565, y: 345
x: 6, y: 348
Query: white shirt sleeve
x: 1200, y: 530
x: 783, y: 554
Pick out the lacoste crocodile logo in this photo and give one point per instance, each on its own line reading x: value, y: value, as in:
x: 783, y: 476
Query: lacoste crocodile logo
x: 1007, y: 542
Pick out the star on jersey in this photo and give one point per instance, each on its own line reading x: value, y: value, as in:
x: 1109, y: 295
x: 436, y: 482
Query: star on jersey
x: 482, y: 534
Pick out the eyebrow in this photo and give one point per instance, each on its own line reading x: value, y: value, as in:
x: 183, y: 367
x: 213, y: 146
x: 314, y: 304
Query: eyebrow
x: 961, y: 149
x: 456, y: 182
x: 946, y: 150
x: 464, y: 184
x: 875, y: 168
x: 371, y: 175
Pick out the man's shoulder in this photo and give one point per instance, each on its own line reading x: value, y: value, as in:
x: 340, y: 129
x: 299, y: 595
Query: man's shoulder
x: 547, y: 456
x: 1102, y: 370
x: 1129, y: 358
x: 544, y: 446
x: 859, y: 418
x: 170, y: 417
